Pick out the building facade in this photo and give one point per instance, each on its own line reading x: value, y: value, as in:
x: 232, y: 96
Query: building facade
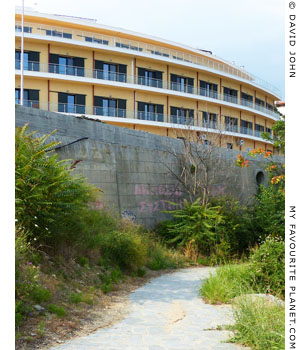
x: 77, y: 66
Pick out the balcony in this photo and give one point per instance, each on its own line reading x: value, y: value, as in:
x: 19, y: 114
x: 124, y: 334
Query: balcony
x: 28, y: 103
x: 246, y: 131
x: 124, y: 78
x: 156, y: 117
x: 175, y: 119
x: 145, y: 48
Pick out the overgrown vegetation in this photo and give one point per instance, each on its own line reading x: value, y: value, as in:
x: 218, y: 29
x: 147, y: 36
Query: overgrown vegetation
x: 67, y: 254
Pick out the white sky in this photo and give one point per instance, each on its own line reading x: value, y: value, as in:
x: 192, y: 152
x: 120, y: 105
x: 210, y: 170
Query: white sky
x: 248, y: 32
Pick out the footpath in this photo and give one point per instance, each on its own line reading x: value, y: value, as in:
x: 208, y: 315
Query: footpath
x: 166, y: 314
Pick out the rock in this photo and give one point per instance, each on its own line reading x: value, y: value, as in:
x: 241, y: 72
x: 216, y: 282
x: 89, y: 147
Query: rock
x: 268, y: 297
x: 39, y: 308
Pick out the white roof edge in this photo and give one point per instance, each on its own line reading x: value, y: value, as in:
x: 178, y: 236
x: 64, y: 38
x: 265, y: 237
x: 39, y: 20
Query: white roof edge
x: 83, y: 21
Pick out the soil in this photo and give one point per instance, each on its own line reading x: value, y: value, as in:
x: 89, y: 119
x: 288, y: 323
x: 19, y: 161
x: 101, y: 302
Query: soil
x: 45, y: 330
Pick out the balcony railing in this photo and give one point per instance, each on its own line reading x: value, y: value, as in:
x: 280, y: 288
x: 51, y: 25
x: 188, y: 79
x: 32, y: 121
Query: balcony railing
x: 99, y: 39
x: 122, y: 113
x: 124, y: 78
x: 175, y: 119
x: 156, y: 117
x: 246, y: 131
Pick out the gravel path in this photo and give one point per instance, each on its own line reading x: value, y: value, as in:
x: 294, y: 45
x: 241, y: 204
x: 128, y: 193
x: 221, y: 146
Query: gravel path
x: 166, y: 314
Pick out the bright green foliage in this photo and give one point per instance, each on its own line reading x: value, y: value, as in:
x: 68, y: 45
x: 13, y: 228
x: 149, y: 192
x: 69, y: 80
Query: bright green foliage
x: 267, y: 263
x: 59, y: 311
x: 195, y: 223
x: 268, y: 215
x: 75, y: 298
x: 228, y: 282
x: 46, y: 193
x: 259, y: 324
x: 40, y: 294
x: 279, y: 135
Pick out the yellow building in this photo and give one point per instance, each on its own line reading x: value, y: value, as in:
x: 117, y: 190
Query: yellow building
x: 77, y: 66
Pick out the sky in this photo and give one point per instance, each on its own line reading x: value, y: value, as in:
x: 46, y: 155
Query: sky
x: 248, y: 32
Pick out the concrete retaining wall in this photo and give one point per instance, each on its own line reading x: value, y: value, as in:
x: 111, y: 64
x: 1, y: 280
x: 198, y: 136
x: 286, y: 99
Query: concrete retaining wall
x: 130, y: 166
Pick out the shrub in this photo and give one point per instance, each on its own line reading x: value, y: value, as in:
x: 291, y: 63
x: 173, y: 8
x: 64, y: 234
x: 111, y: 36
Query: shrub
x: 124, y: 249
x: 40, y: 294
x: 75, y: 298
x: 47, y: 195
x: 194, y: 222
x: 258, y: 324
x: 267, y: 263
x: 57, y: 310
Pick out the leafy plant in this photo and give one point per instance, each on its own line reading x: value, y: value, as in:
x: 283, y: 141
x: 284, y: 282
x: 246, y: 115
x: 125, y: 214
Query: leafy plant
x: 59, y: 311
x: 46, y: 193
x: 195, y: 222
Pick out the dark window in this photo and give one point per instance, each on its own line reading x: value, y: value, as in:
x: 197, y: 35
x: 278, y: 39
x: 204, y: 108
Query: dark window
x: 128, y: 46
x: 94, y: 40
x: 231, y: 124
x: 229, y: 146
x: 259, y: 104
x: 110, y: 107
x: 182, y: 116
x: 269, y: 107
x: 71, y: 103
x: 230, y: 95
x: 183, y: 84
x: 149, y: 77
x: 18, y: 28
x: 149, y: 111
x: 209, y: 120
x: 247, y: 100
x: 31, y: 60
x: 59, y: 34
x: 66, y: 65
x: 208, y: 89
x: 269, y: 131
x: 246, y: 127
x: 30, y: 97
x: 259, y: 129
x: 110, y: 71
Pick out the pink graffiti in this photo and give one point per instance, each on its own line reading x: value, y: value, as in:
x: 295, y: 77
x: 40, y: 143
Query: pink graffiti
x: 156, y: 206
x: 161, y: 190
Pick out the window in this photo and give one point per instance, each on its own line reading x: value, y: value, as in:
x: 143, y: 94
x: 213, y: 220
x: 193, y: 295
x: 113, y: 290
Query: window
x: 259, y: 104
x: 229, y: 146
x: 66, y: 65
x: 230, y: 95
x: 269, y: 107
x: 269, y: 131
x: 110, y: 107
x: 71, y: 103
x: 31, y: 60
x: 128, y: 46
x: 149, y: 77
x: 59, y: 34
x: 246, y: 127
x: 209, y: 120
x: 94, y: 40
x: 110, y: 71
x: 231, y: 124
x: 259, y: 129
x: 30, y: 97
x: 247, y: 100
x: 208, y: 89
x: 179, y: 83
x: 182, y: 116
x: 18, y: 28
x: 148, y: 111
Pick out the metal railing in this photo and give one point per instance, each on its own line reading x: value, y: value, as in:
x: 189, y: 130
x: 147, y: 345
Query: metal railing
x: 156, y: 117
x: 122, y: 113
x: 133, y: 79
x: 78, y: 35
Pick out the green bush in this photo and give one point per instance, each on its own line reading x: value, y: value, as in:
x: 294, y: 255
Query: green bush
x: 194, y: 222
x: 268, y: 264
x: 40, y: 294
x: 75, y: 298
x: 57, y: 310
x: 47, y: 195
x: 259, y: 324
x: 125, y: 249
